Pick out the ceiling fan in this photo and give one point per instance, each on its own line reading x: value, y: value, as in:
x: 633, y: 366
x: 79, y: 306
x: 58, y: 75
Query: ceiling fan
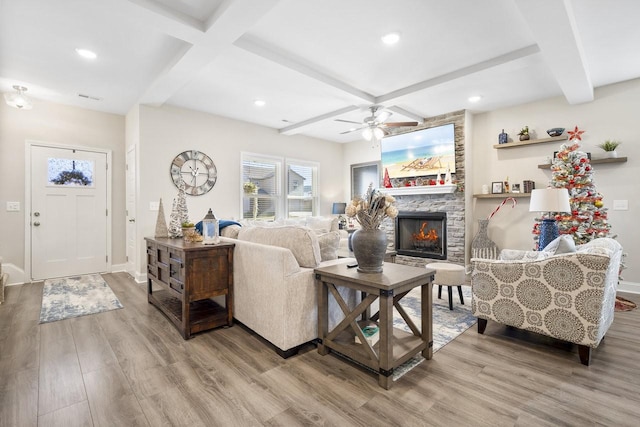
x: 375, y: 126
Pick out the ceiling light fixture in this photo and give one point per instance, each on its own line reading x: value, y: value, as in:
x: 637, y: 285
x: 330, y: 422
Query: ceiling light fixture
x: 391, y: 38
x: 371, y: 133
x: 86, y: 53
x: 18, y: 100
x: 475, y: 98
x: 259, y: 103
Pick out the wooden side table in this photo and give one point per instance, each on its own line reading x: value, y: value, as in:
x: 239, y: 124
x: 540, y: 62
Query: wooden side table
x: 188, y: 275
x: 395, y: 345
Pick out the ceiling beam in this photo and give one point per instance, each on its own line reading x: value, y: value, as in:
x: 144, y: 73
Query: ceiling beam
x: 296, y: 127
x: 232, y: 19
x: 164, y: 19
x: 554, y: 28
x: 406, y: 113
x: 462, y: 72
x: 287, y: 60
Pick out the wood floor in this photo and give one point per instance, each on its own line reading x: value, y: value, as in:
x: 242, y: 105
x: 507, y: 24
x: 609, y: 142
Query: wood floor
x: 131, y: 367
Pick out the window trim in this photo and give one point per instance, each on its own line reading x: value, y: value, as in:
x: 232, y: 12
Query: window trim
x: 315, y: 198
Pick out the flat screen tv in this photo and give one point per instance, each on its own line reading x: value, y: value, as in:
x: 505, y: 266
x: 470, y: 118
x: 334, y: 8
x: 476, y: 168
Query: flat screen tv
x: 420, y: 153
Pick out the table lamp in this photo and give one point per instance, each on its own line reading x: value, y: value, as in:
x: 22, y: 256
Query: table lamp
x: 338, y: 209
x: 549, y: 200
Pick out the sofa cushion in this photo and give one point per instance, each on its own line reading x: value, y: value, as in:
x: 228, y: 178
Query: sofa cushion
x: 329, y: 243
x: 302, y: 242
x: 230, y: 231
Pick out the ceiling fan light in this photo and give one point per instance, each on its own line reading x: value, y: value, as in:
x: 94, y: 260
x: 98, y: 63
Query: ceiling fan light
x: 18, y: 100
x: 378, y: 133
x: 367, y: 134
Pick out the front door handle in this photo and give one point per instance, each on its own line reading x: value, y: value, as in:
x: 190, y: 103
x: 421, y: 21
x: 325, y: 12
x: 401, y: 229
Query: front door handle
x: 132, y: 220
x: 36, y: 224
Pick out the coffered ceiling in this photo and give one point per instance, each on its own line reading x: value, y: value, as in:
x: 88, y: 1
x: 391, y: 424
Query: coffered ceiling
x: 316, y: 61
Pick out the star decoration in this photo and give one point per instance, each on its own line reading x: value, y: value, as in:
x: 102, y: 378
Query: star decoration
x: 575, y: 134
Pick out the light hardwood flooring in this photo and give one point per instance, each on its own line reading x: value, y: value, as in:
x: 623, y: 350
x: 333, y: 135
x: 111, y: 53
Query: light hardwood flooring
x: 131, y: 367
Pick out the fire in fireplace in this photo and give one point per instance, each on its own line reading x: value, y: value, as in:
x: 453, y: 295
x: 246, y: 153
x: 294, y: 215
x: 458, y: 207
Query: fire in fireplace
x: 422, y: 234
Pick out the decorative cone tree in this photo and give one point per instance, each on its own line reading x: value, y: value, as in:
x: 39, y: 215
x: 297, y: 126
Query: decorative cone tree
x: 571, y: 169
x: 179, y: 212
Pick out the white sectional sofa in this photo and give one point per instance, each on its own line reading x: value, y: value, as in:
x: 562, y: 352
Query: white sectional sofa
x: 275, y: 292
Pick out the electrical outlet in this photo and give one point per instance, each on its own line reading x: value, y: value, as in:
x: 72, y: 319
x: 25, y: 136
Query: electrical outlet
x: 13, y: 206
x: 620, y: 205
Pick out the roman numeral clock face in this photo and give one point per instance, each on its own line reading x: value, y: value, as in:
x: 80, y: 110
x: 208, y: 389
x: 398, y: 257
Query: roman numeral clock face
x: 196, y: 169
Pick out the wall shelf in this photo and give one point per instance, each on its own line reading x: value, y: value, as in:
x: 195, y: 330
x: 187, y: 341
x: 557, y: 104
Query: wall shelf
x: 531, y: 142
x: 593, y: 162
x: 501, y: 196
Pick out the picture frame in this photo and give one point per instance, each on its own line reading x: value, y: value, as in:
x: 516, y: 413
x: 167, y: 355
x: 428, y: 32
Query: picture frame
x: 497, y: 187
x: 516, y: 188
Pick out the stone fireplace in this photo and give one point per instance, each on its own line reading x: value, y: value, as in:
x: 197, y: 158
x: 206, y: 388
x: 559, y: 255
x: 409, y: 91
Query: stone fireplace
x: 418, y: 204
x: 422, y: 234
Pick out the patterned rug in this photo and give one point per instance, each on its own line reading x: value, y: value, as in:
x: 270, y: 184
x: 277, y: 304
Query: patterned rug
x: 76, y: 296
x: 447, y: 324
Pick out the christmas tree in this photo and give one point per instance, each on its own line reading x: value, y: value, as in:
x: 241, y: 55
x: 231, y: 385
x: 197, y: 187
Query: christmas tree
x: 571, y: 169
x: 179, y: 212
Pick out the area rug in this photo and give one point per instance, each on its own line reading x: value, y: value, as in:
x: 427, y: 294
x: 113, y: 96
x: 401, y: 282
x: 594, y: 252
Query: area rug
x: 76, y: 296
x: 623, y: 304
x: 447, y: 324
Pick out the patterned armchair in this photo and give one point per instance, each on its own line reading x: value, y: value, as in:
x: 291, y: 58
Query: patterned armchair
x: 569, y: 296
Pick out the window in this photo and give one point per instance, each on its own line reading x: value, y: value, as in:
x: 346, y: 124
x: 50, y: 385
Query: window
x: 302, y: 191
x: 262, y: 180
x: 261, y: 177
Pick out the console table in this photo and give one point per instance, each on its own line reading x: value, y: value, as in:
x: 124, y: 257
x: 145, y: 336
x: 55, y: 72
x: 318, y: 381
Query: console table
x: 182, y: 279
x: 395, y: 346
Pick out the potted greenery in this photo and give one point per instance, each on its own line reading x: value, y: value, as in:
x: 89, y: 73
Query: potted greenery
x: 609, y: 148
x: 250, y: 187
x: 524, y: 133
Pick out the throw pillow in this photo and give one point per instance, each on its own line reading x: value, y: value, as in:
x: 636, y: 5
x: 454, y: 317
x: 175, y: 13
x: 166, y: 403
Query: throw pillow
x: 329, y: 243
x: 566, y: 245
x: 319, y: 224
x: 302, y: 242
x: 230, y: 231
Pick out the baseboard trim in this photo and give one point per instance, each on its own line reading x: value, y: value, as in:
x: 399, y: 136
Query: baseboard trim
x: 116, y: 268
x: 16, y: 275
x: 630, y: 287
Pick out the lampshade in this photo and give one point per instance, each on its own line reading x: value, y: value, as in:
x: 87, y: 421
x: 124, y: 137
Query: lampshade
x: 367, y: 134
x: 18, y: 99
x: 338, y: 208
x: 550, y: 200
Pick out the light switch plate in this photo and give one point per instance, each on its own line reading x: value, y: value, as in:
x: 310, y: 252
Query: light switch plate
x: 620, y: 205
x: 154, y: 206
x: 13, y: 206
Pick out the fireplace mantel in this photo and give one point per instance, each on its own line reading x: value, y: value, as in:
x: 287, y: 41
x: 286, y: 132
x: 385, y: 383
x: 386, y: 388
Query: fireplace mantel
x: 420, y: 189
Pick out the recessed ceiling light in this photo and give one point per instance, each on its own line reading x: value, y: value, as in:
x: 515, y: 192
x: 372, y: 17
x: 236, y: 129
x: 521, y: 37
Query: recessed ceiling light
x: 86, y: 53
x: 259, y: 103
x: 475, y: 98
x: 391, y: 38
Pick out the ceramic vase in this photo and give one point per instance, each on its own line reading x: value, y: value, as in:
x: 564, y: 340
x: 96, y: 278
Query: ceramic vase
x: 610, y: 154
x: 369, y: 248
x: 481, y: 245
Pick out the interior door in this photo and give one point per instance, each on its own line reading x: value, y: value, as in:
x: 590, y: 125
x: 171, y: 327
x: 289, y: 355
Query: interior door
x: 68, y: 212
x: 131, y: 212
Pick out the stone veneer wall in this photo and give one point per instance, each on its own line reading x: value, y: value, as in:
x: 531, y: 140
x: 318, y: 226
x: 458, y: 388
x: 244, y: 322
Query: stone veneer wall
x: 452, y: 204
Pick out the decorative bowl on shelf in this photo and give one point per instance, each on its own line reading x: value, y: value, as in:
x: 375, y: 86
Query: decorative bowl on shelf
x: 555, y: 131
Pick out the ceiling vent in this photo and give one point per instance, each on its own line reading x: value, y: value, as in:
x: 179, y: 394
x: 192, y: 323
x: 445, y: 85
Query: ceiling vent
x: 94, y: 98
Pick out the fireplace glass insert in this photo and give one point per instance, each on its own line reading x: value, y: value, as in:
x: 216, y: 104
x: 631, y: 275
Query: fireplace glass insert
x: 422, y: 234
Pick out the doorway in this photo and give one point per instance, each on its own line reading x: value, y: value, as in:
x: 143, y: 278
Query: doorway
x: 68, y: 216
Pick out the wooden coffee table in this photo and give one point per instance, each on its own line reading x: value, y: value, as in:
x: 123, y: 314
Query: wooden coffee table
x: 395, y: 346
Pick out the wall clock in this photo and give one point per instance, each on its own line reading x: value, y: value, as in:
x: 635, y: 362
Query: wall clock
x: 196, y: 169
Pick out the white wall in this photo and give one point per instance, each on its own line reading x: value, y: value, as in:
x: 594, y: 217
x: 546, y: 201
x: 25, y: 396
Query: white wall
x: 612, y: 115
x: 167, y: 131
x: 59, y: 124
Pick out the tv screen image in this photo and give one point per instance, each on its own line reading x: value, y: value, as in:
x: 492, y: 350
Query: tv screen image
x: 420, y: 153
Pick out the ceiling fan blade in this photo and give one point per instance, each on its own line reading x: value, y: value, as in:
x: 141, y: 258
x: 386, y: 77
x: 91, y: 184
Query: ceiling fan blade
x: 400, y: 124
x: 383, y: 116
x: 351, y: 130
x: 347, y: 121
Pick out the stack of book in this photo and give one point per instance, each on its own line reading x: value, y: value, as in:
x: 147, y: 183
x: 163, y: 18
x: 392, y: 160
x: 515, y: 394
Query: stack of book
x: 371, y: 334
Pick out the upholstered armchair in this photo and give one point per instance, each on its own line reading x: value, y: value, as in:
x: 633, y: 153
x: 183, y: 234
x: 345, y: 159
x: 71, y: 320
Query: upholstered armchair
x: 566, y: 291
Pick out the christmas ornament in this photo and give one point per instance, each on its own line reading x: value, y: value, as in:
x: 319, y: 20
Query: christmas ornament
x: 575, y: 134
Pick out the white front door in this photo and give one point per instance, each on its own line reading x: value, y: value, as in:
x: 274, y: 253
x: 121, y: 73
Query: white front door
x: 68, y: 212
x: 131, y: 212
